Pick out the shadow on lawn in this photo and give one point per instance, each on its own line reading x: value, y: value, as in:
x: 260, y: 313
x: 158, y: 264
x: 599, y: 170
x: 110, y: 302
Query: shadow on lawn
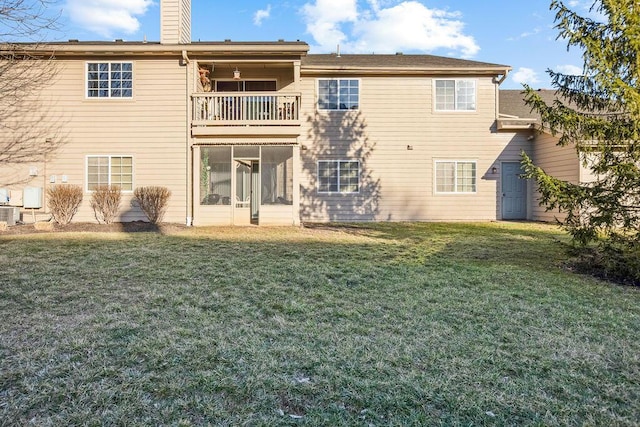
x: 503, y: 243
x: 91, y: 227
x: 517, y: 244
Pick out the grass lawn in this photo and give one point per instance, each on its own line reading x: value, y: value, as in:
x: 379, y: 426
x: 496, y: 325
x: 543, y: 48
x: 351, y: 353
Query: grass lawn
x: 381, y: 324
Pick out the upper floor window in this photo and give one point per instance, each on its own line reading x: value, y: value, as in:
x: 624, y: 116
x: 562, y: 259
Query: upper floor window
x: 455, y: 95
x: 109, y: 79
x: 455, y: 177
x: 338, y: 176
x: 338, y: 94
x: 110, y: 170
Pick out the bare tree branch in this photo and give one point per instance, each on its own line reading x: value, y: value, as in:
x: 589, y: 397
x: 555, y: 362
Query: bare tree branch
x: 27, y: 20
x: 29, y: 128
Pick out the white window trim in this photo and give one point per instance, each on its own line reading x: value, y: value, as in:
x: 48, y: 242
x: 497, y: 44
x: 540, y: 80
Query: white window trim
x: 455, y: 110
x: 456, y: 193
x: 338, y: 161
x: 86, y: 170
x: 337, y: 109
x: 110, y: 98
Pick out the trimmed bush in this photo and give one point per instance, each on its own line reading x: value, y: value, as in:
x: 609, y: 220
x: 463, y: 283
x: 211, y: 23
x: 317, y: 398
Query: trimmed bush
x: 153, y: 201
x: 105, y: 202
x: 64, y: 200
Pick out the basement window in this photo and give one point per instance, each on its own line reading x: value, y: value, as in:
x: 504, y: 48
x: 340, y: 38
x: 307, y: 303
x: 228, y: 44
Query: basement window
x: 110, y: 170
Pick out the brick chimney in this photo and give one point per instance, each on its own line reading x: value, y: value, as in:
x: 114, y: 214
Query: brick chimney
x: 175, y: 21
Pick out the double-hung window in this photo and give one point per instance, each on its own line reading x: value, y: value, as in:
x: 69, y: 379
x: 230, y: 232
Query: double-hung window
x: 338, y: 94
x: 109, y: 79
x: 338, y: 176
x: 110, y: 170
x: 455, y: 95
x: 454, y: 176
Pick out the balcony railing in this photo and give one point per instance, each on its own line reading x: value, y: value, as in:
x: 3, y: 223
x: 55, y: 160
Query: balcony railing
x: 245, y: 108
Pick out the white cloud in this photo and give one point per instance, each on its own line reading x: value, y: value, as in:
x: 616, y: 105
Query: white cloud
x: 324, y: 18
x: 525, y: 35
x: 107, y: 17
x: 569, y: 69
x: 261, y: 15
x: 383, y: 27
x: 525, y: 75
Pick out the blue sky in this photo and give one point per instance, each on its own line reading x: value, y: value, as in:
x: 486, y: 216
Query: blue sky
x: 513, y: 32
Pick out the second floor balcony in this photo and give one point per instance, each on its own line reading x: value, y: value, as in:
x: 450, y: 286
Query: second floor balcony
x: 246, y: 113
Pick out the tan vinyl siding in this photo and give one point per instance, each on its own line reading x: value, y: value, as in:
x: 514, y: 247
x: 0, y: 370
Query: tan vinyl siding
x: 185, y: 27
x: 169, y: 22
x: 175, y: 21
x: 213, y: 215
x: 395, y: 135
x: 276, y: 215
x: 397, y: 184
x: 560, y: 162
x: 150, y: 127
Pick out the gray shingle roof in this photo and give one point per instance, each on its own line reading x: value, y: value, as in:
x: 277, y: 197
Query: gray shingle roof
x: 417, y: 62
x: 512, y: 102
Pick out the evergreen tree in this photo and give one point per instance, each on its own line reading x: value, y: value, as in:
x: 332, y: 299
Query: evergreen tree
x: 598, y: 113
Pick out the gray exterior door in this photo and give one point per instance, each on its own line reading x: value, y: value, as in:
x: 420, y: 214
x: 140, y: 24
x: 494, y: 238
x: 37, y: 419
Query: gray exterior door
x: 514, y: 192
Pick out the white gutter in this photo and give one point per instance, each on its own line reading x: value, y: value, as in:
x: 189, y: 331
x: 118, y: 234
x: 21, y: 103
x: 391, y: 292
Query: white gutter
x: 497, y: 83
x: 504, y: 76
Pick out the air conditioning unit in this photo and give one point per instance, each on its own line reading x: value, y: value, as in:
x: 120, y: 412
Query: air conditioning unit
x: 9, y: 214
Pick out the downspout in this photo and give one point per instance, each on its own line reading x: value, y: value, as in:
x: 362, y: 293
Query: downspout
x: 498, y: 82
x: 504, y: 76
x: 188, y: 150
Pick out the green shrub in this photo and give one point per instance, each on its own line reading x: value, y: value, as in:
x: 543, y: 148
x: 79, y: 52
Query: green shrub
x: 153, y: 201
x: 64, y: 201
x: 620, y: 262
x: 611, y: 260
x: 105, y: 202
